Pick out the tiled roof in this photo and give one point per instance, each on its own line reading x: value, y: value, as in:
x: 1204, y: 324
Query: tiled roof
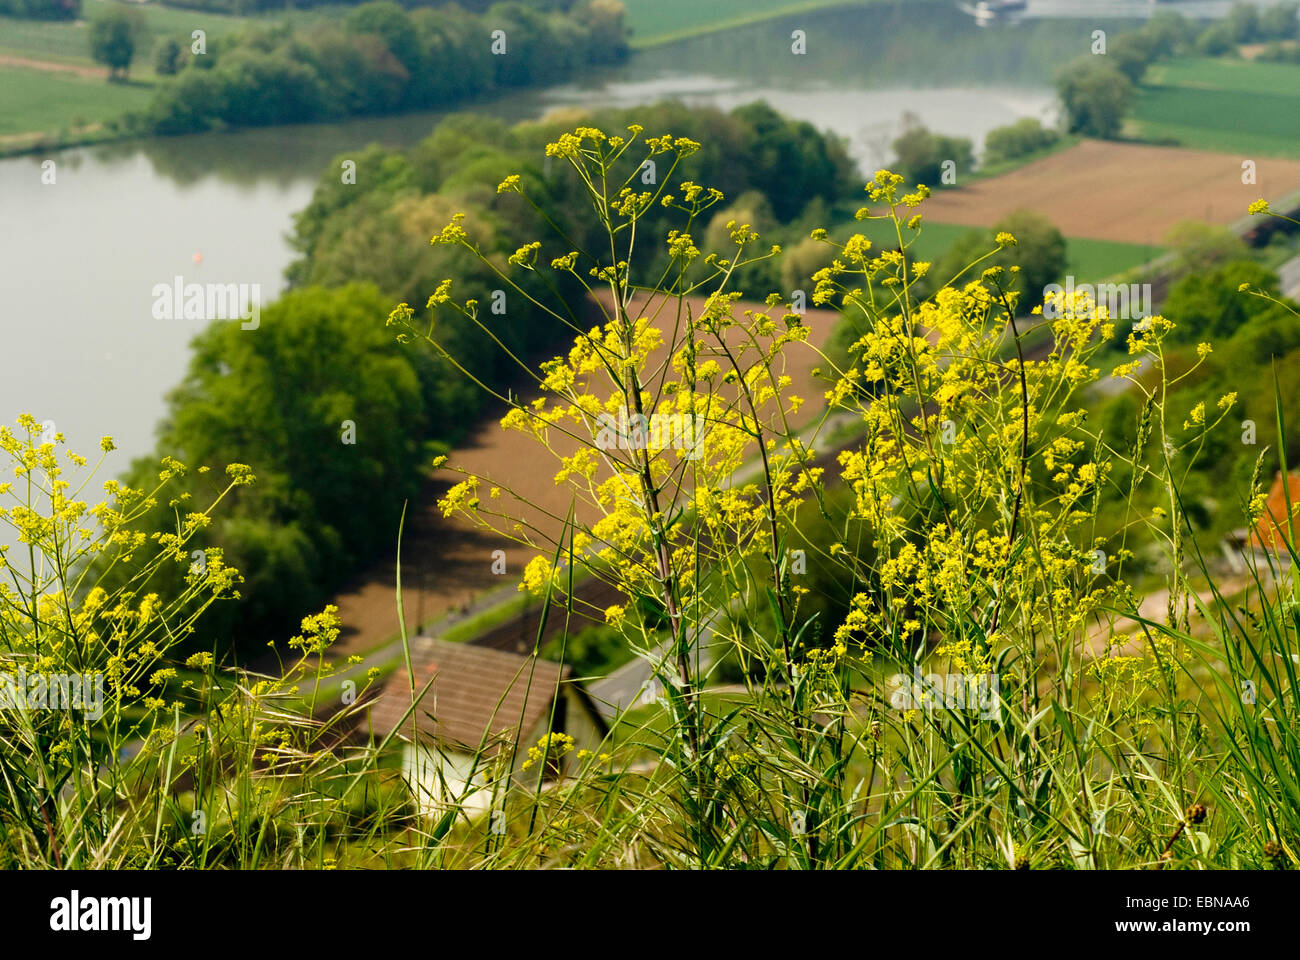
x: 478, y: 695
x: 1272, y: 529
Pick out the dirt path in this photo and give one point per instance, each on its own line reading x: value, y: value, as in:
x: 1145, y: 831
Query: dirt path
x: 49, y: 66
x: 447, y: 562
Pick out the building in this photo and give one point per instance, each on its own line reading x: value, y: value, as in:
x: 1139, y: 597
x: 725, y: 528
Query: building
x: 1272, y: 532
x: 483, y: 709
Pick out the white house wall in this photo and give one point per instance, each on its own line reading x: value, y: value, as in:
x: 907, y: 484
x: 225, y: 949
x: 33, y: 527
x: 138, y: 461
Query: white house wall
x: 441, y: 778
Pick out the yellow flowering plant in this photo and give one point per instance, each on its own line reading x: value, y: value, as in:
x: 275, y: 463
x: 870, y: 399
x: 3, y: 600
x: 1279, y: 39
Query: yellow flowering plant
x: 116, y: 749
x: 985, y: 595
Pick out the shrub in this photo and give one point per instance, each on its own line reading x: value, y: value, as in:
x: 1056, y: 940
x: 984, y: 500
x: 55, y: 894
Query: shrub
x: 1096, y: 95
x: 1217, y: 41
x: 1020, y: 139
x: 166, y: 57
x: 115, y: 33
x: 923, y: 155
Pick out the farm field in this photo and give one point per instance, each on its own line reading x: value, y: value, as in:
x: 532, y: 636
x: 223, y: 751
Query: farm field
x: 1120, y: 192
x: 66, y: 42
x: 655, y: 22
x: 41, y: 91
x: 32, y: 99
x: 1222, y: 104
x: 1088, y: 258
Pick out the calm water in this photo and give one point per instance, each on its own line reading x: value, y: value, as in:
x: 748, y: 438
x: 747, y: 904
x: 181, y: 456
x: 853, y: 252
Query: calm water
x: 79, y: 259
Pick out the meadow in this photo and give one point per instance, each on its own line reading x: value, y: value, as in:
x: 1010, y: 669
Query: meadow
x: 32, y: 98
x: 1223, y: 104
x: 66, y: 41
x: 44, y: 104
x: 1088, y: 259
x: 657, y: 22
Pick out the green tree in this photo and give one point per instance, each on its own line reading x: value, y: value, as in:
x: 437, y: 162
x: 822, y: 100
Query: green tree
x: 1132, y: 53
x: 1211, y: 306
x: 605, y: 21
x: 363, y: 74
x: 1202, y: 246
x: 1027, y: 135
x: 42, y: 9
x: 923, y: 154
x: 1279, y: 22
x: 1096, y: 95
x: 280, y: 400
x: 1217, y: 40
x: 1243, y: 20
x: 115, y: 32
x: 1039, y: 253
x: 791, y: 161
x: 799, y: 263
x: 392, y: 25
x: 166, y: 57
x: 1169, y: 32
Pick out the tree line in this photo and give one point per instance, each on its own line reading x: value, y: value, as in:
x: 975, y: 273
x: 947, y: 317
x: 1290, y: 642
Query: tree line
x: 380, y: 59
x: 41, y: 9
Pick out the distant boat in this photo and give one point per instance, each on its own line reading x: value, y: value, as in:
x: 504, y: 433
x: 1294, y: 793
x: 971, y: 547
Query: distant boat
x: 986, y: 11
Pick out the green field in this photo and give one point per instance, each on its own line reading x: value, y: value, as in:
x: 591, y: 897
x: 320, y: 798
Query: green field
x: 655, y: 22
x: 45, y: 40
x: 1087, y: 260
x: 1223, y: 104
x: 931, y: 243
x: 32, y: 100
x: 66, y: 42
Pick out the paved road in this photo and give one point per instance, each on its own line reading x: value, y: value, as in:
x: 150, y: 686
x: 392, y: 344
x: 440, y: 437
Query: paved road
x: 1289, y: 273
x: 632, y: 684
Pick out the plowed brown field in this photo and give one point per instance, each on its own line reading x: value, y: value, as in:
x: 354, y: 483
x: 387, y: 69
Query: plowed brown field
x: 1119, y: 191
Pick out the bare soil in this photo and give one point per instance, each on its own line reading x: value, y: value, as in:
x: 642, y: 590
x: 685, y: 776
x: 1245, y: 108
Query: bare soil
x: 1119, y: 191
